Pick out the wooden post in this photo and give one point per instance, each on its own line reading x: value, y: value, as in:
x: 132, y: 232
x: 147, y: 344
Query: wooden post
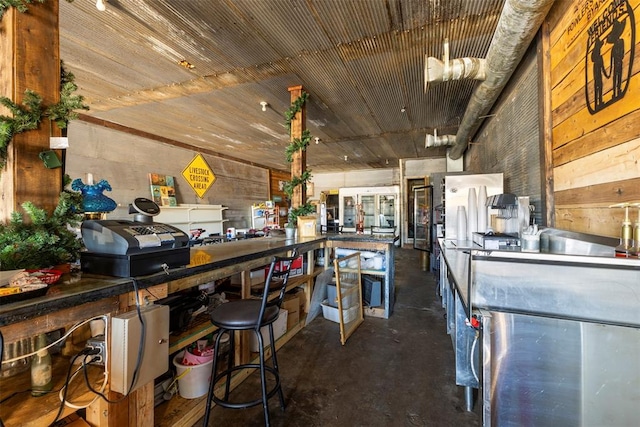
x: 30, y: 59
x: 299, y: 164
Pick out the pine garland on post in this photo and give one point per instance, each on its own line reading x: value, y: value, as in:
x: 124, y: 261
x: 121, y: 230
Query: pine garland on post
x: 296, y: 145
x: 24, y: 117
x: 29, y: 115
x: 64, y: 111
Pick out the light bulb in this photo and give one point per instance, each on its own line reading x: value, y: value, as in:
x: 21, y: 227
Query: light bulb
x: 100, y: 5
x: 264, y: 105
x: 317, y: 140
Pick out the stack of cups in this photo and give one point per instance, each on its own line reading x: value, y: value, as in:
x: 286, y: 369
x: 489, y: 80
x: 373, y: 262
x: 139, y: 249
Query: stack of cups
x: 462, y: 223
x: 482, y: 209
x: 472, y: 204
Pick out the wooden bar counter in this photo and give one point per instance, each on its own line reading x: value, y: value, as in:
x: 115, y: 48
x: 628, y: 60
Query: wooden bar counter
x: 82, y: 296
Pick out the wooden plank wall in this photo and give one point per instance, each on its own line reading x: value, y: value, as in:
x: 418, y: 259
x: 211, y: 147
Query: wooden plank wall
x: 125, y: 160
x: 595, y: 145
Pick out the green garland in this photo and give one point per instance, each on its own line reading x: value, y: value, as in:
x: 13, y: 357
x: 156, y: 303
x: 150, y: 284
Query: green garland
x: 295, y: 181
x: 21, y: 5
x: 296, y: 145
x: 43, y: 240
x: 29, y: 115
x: 25, y: 117
x: 64, y: 111
x: 295, y: 107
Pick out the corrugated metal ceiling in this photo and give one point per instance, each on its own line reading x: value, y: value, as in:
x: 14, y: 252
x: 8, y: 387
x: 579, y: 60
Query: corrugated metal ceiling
x: 361, y: 61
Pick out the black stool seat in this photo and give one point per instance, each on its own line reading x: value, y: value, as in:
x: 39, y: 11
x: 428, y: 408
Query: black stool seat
x: 251, y: 315
x: 240, y: 315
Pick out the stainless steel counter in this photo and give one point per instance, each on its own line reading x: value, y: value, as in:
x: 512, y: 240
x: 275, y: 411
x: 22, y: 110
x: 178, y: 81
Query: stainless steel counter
x: 559, y: 332
x: 592, y: 289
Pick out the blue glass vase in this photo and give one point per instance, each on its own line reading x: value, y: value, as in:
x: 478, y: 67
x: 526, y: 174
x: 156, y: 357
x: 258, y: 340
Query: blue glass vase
x: 92, y: 198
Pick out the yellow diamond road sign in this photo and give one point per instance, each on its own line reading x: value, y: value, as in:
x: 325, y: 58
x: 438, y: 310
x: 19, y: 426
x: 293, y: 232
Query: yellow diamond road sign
x: 199, y: 175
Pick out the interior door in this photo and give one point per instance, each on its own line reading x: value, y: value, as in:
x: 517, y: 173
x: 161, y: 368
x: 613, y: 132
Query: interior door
x: 422, y: 214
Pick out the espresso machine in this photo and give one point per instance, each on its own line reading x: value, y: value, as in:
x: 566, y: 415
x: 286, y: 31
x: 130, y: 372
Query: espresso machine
x: 510, y: 220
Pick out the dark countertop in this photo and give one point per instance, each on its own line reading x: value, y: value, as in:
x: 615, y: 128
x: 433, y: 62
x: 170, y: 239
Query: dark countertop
x: 79, y: 288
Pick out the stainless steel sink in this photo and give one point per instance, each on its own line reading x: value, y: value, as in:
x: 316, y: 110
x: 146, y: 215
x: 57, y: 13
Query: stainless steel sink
x: 555, y: 241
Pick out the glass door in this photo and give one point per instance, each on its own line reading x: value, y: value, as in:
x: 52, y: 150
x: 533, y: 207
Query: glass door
x: 349, y: 214
x: 387, y: 210
x: 369, y: 208
x: 422, y: 214
x: 411, y: 184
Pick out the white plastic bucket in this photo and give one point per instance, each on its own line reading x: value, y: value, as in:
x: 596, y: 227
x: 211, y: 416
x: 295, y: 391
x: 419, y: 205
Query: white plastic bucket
x: 193, y: 381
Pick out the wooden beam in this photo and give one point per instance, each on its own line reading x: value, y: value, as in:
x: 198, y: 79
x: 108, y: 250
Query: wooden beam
x: 299, y: 164
x: 30, y: 59
x: 546, y: 124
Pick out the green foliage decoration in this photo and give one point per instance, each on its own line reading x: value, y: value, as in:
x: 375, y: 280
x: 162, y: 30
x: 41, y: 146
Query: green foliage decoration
x: 24, y: 117
x: 289, y: 186
x: 20, y: 5
x: 65, y: 110
x: 29, y: 115
x: 303, y: 210
x: 295, y: 107
x: 40, y: 240
x: 298, y: 144
x: 295, y: 145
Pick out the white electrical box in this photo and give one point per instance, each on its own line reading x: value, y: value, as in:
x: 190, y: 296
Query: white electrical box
x: 126, y: 333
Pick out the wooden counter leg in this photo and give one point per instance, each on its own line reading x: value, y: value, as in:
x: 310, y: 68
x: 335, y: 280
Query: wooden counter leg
x: 104, y: 414
x: 141, y: 406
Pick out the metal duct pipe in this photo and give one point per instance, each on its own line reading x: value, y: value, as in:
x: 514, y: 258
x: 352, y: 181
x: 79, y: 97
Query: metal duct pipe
x: 437, y: 71
x: 439, y: 140
x: 516, y: 28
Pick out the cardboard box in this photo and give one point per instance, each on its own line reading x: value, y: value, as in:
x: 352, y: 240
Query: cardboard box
x: 306, y: 226
x: 297, y: 268
x: 291, y: 303
x: 302, y: 296
x: 279, y: 329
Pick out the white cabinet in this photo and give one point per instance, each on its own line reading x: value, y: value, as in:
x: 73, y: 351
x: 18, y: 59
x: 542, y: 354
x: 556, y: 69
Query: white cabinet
x: 262, y: 217
x: 188, y: 217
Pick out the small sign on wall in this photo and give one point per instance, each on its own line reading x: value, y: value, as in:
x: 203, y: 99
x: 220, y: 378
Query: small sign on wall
x: 199, y: 175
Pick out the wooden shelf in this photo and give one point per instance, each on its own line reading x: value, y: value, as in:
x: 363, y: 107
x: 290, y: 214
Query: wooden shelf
x: 201, y: 327
x: 26, y: 410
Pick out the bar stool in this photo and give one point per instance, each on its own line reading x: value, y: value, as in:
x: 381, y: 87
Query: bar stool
x: 251, y: 315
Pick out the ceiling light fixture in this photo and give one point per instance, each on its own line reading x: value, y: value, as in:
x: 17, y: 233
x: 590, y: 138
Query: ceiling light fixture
x: 403, y: 109
x: 264, y: 105
x: 317, y: 140
x: 100, y: 5
x: 186, y: 64
x: 346, y: 158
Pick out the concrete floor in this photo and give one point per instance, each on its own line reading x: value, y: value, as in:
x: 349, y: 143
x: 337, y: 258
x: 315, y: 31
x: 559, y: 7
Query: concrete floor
x: 395, y: 372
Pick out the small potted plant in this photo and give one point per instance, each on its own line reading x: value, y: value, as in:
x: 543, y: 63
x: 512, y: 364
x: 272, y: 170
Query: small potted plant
x: 290, y: 228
